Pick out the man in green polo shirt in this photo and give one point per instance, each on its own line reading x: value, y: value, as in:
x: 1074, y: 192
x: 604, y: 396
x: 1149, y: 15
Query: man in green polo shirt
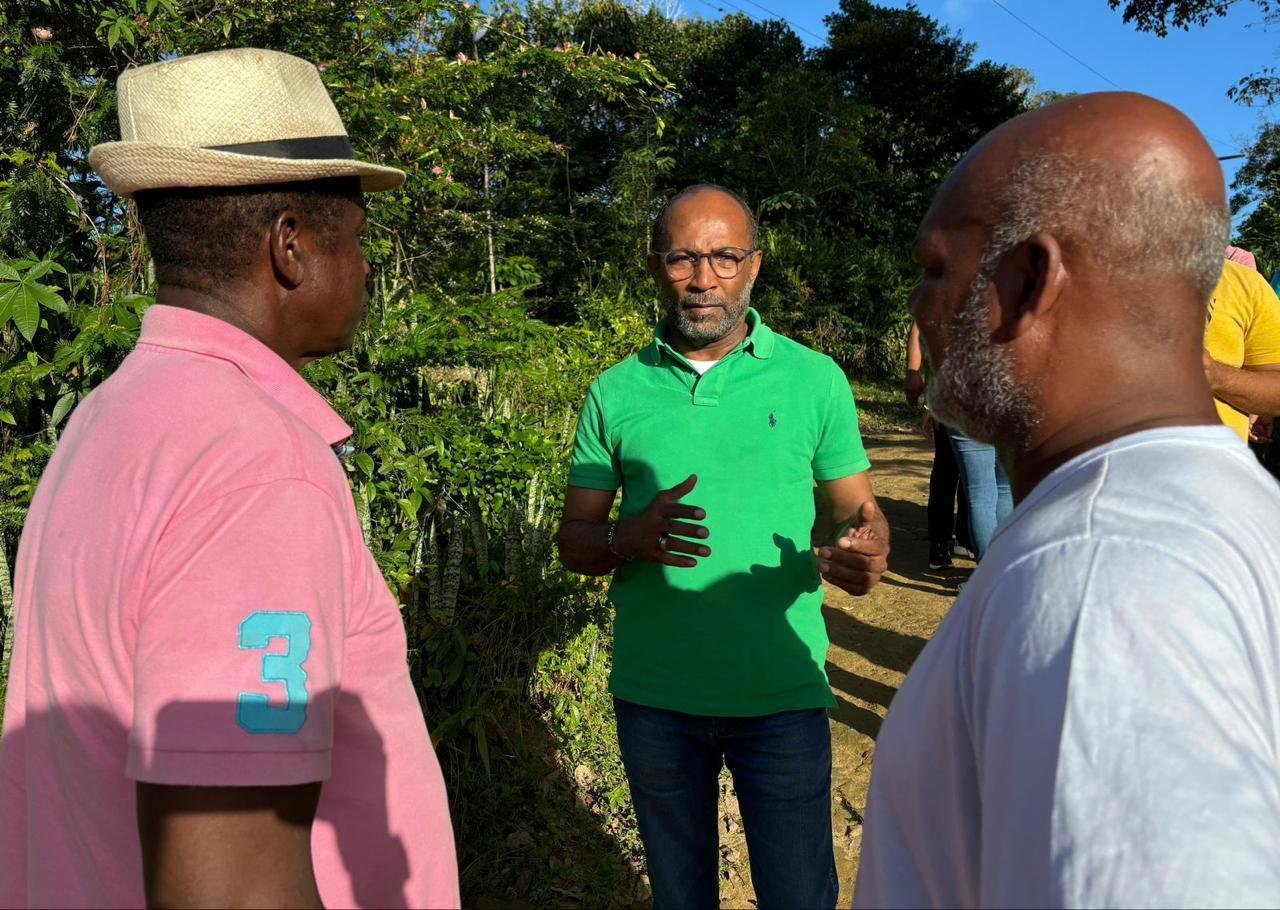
x: 715, y: 433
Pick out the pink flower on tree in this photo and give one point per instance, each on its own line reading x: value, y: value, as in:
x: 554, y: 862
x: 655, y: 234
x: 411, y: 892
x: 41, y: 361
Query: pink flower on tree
x: 437, y: 170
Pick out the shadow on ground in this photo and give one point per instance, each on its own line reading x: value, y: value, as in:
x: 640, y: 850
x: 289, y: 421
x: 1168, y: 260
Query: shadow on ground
x: 878, y: 628
x: 555, y: 848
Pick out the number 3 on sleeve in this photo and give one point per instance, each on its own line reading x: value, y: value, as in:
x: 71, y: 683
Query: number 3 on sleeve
x: 253, y: 712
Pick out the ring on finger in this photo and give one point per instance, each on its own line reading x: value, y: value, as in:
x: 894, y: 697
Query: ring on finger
x: 662, y: 542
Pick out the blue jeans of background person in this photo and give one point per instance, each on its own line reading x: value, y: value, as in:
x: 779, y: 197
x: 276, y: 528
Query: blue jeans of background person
x: 985, y: 488
x: 781, y: 766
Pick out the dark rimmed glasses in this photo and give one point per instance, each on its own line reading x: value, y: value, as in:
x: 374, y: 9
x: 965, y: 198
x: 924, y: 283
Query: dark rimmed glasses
x: 725, y: 262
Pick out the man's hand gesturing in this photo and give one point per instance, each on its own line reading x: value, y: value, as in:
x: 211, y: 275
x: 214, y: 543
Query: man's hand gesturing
x: 658, y: 535
x: 860, y: 556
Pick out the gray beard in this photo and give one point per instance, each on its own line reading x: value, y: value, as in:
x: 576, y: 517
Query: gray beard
x: 705, y: 330
x: 975, y: 390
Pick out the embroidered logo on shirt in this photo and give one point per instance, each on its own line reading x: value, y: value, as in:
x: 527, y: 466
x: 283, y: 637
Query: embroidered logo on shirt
x: 773, y: 421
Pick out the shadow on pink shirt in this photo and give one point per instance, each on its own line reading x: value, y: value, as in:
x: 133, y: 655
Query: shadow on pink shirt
x: 65, y: 739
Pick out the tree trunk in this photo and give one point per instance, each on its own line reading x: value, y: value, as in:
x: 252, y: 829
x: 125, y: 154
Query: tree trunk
x: 6, y: 609
x: 488, y: 213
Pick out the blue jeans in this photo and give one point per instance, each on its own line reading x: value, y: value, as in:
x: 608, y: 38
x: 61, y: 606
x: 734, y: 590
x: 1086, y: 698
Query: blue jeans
x: 781, y: 766
x: 986, y: 488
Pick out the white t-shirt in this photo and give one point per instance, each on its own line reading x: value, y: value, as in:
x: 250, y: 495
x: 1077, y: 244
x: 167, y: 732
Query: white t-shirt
x: 1096, y: 723
x: 703, y: 365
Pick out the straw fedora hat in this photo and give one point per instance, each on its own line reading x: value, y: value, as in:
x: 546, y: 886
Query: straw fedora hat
x: 229, y: 118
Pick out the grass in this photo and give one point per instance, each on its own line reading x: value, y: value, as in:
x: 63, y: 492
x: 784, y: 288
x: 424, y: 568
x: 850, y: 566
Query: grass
x: 882, y: 408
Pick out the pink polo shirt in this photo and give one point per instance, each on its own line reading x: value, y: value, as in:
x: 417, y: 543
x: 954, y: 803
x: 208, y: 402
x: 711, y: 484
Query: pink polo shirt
x: 196, y: 605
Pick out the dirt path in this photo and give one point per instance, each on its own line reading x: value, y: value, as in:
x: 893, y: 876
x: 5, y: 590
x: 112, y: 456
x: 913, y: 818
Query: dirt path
x: 874, y: 639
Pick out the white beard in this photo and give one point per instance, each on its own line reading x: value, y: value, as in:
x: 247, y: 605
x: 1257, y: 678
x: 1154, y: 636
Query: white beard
x: 975, y: 389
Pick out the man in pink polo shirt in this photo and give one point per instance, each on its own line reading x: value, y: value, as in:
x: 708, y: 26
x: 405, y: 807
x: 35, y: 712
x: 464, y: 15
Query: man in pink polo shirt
x: 209, y: 702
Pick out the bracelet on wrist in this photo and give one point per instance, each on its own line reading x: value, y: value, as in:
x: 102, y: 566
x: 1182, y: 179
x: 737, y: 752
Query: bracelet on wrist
x: 613, y: 530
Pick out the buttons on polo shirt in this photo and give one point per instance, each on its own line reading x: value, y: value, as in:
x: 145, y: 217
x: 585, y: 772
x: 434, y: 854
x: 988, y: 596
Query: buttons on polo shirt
x: 707, y: 387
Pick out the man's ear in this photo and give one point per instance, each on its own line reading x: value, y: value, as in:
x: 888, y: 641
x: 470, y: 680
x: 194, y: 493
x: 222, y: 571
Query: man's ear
x: 1029, y: 280
x: 654, y: 265
x: 287, y: 249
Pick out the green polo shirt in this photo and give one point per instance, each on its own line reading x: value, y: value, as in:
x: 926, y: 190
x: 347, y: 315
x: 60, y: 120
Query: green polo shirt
x: 741, y: 634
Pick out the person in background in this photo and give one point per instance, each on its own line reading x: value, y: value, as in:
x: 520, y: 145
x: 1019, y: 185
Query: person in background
x: 948, y: 528
x: 209, y: 702
x: 1242, y: 347
x: 1242, y: 350
x: 715, y: 434
x: 1094, y: 723
x: 1265, y: 434
x: 983, y: 485
x: 1242, y: 256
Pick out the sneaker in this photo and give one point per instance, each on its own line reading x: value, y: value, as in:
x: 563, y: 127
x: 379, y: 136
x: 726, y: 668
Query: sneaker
x: 939, y: 556
x: 960, y: 550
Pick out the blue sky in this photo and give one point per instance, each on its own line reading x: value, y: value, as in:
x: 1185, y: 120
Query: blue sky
x: 1190, y: 70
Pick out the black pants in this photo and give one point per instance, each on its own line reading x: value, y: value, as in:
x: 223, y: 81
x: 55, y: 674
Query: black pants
x: 1268, y: 454
x: 944, y: 483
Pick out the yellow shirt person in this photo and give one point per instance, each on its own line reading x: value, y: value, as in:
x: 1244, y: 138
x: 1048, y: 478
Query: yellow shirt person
x: 1243, y: 330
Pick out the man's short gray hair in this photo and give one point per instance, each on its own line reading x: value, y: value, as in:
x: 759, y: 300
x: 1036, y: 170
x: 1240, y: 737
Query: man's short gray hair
x: 659, y: 238
x: 1139, y: 225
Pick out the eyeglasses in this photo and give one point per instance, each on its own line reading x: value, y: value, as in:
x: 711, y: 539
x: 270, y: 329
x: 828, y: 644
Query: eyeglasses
x: 725, y: 262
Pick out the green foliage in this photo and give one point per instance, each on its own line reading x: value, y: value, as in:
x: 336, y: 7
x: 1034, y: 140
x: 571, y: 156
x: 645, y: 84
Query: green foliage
x: 22, y: 294
x: 1159, y: 15
x: 933, y: 101
x: 1257, y: 184
x: 539, y: 140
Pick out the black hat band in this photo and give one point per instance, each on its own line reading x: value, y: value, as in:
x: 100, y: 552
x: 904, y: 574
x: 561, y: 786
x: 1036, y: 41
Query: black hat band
x: 312, y: 147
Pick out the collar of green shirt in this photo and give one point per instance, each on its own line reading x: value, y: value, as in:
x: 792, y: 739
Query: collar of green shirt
x: 759, y: 342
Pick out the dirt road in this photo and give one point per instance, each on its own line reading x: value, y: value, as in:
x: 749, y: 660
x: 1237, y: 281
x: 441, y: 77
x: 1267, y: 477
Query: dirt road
x: 874, y: 639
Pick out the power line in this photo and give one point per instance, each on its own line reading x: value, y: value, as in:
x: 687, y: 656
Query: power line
x: 1110, y: 82
x: 721, y: 9
x: 800, y: 28
x: 1056, y: 44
